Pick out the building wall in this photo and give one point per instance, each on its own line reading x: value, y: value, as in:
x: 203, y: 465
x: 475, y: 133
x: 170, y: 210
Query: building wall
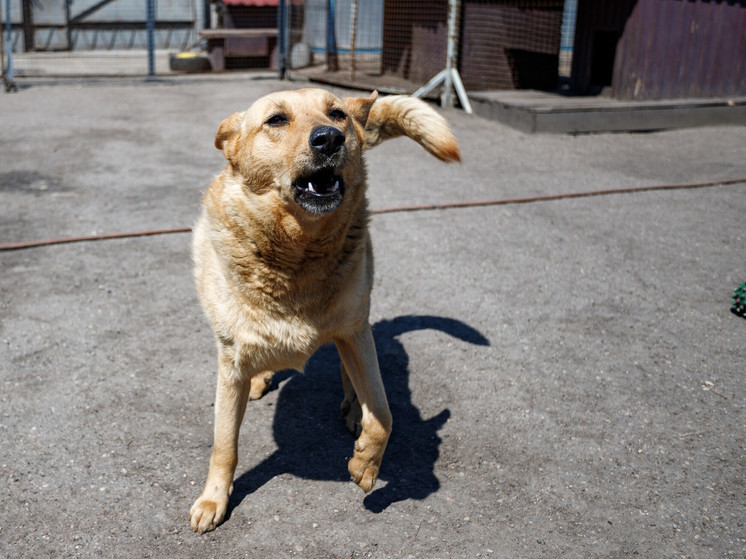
x: 700, y: 53
x: 660, y: 49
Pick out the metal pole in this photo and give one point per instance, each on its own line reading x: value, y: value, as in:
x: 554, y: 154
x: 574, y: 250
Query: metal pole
x: 28, y: 26
x: 332, y: 63
x: 446, y: 99
x: 68, y: 27
x: 281, y: 38
x: 449, y: 76
x: 353, y: 40
x: 8, y: 43
x: 151, y: 36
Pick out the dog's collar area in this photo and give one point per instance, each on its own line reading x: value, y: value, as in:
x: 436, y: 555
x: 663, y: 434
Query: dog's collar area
x: 320, y: 192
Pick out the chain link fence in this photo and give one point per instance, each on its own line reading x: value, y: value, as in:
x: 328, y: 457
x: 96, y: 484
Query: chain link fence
x: 398, y: 45
x: 391, y: 45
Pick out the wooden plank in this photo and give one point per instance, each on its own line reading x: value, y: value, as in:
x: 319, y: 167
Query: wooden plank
x: 237, y: 33
x: 724, y: 66
x: 688, y: 54
x: 667, y: 58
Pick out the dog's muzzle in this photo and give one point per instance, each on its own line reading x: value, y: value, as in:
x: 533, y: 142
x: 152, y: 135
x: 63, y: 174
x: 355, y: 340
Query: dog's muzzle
x: 321, y: 191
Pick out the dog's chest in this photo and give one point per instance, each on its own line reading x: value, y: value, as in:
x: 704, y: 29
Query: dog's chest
x: 274, y: 304
x: 280, y: 317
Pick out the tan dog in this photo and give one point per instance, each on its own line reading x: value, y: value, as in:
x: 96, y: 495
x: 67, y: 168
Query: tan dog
x: 284, y: 264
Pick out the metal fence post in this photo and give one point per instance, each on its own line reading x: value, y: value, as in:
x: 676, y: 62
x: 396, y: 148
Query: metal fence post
x: 282, y: 37
x: 353, y: 39
x: 8, y: 39
x: 449, y: 77
x: 332, y: 63
x: 8, y: 45
x: 151, y: 36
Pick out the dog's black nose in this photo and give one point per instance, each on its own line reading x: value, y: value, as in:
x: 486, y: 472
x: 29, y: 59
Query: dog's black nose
x: 326, y: 139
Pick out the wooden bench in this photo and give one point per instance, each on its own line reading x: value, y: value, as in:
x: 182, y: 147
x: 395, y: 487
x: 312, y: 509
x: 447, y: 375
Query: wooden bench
x: 224, y: 43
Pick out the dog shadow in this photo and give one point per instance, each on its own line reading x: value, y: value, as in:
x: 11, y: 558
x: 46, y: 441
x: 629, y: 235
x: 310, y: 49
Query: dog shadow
x: 310, y: 433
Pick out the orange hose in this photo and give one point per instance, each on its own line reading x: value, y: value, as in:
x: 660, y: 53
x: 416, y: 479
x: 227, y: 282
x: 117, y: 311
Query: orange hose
x: 399, y: 209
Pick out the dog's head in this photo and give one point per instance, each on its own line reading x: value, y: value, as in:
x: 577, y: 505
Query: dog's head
x: 305, y: 146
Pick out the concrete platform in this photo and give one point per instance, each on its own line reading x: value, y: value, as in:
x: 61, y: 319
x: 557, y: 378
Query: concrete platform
x: 537, y: 111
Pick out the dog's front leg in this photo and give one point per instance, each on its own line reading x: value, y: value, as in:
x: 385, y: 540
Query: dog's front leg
x: 358, y: 354
x: 230, y: 404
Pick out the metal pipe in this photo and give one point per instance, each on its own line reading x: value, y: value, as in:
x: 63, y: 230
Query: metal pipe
x: 9, y: 43
x: 281, y: 38
x: 447, y: 97
x: 151, y: 36
x: 332, y: 63
x: 353, y: 40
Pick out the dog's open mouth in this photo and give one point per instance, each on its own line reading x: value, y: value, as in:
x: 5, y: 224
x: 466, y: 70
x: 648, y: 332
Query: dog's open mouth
x: 320, y: 192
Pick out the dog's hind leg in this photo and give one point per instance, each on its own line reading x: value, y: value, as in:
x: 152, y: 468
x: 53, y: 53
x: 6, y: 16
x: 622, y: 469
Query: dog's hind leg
x: 230, y: 404
x: 260, y: 385
x: 351, y: 410
x: 358, y: 354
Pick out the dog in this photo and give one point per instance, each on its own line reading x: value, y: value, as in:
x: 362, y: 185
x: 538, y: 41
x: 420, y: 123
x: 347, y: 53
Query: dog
x: 283, y: 261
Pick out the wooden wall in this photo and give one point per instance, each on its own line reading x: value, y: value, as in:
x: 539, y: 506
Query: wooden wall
x: 661, y: 49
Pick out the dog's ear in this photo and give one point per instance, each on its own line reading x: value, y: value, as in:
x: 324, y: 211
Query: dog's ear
x: 225, y: 139
x: 401, y: 115
x: 360, y: 107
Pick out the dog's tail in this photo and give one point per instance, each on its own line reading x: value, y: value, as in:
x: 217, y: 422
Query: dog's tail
x: 400, y: 115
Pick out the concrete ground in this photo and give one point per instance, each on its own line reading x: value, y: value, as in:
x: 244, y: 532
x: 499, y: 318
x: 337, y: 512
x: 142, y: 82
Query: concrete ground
x: 566, y: 376
x: 112, y: 63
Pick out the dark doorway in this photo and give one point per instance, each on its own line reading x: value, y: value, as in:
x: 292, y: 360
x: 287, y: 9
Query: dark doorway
x: 603, y: 52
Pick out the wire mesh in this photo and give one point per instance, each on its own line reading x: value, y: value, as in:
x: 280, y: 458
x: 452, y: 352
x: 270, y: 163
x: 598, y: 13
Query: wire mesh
x: 95, y: 37
x: 398, y: 45
x: 632, y: 49
x: 511, y: 45
x: 339, y: 41
x: 390, y: 45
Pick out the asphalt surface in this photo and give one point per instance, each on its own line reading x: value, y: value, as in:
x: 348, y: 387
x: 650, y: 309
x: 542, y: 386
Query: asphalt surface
x: 566, y: 377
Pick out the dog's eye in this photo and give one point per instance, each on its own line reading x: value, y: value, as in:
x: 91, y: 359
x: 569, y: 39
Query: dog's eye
x: 337, y: 115
x: 277, y: 120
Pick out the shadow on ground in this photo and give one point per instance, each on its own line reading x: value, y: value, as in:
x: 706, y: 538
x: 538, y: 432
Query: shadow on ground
x: 310, y: 434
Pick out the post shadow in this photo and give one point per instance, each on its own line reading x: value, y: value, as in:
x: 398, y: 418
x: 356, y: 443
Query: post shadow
x: 311, y: 437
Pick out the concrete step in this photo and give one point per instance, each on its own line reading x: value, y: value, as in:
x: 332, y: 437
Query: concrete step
x: 538, y: 111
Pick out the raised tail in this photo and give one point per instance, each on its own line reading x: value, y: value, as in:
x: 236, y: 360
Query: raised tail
x: 402, y: 115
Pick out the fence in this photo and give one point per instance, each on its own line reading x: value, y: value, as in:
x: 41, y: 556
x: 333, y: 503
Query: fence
x: 391, y: 45
x: 398, y: 45
x: 95, y: 37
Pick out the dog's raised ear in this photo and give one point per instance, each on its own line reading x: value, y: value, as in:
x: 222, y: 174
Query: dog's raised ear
x: 401, y: 115
x: 360, y: 107
x: 225, y: 139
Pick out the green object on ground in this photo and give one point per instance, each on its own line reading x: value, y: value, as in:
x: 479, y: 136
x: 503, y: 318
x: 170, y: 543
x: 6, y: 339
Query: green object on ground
x: 739, y: 300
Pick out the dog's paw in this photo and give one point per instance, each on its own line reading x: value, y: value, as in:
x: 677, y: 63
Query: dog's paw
x: 206, y: 514
x: 365, y: 461
x: 353, y: 415
x: 260, y: 385
x: 363, y: 472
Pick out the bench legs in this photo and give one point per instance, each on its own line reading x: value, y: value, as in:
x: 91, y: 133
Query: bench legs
x: 216, y: 56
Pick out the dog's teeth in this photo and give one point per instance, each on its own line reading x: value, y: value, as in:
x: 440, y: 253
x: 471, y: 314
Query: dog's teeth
x: 310, y: 187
